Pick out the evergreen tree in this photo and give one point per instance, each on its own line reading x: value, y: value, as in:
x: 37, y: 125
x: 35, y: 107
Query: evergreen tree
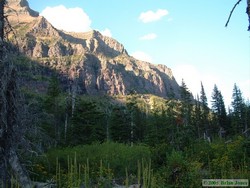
x: 186, y: 98
x: 204, y: 111
x: 247, y: 118
x: 218, y: 108
x: 157, y: 128
x: 120, y: 127
x: 197, y: 117
x: 186, y: 95
x: 52, y: 105
x: 131, y: 106
x: 87, y: 124
x: 171, y: 120
x: 238, y: 110
x: 136, y: 118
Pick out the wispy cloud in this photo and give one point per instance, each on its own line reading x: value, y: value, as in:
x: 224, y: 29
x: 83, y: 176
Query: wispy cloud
x: 106, y: 32
x: 142, y: 56
x: 68, y: 19
x: 149, y: 36
x: 151, y: 16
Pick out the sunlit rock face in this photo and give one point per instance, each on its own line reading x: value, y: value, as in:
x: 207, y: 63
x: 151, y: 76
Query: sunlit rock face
x: 94, y: 63
x: 19, y: 7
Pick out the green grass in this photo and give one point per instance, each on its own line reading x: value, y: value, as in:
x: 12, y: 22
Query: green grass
x: 99, y: 165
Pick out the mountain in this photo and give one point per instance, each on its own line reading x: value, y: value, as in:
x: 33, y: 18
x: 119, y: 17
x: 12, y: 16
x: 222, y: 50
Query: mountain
x: 94, y: 63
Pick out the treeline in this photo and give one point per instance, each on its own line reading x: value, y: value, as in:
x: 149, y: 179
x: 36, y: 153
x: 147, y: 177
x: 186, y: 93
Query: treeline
x: 183, y: 141
x: 72, y: 120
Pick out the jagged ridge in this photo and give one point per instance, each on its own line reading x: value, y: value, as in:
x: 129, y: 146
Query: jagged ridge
x: 96, y: 64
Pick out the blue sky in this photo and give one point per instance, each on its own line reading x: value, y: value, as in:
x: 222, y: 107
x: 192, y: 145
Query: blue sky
x: 187, y: 36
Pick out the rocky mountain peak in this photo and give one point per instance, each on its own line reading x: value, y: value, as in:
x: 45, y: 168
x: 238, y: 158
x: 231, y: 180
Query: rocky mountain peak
x: 100, y: 44
x: 21, y: 8
x: 92, y: 62
x: 21, y: 3
x: 42, y: 28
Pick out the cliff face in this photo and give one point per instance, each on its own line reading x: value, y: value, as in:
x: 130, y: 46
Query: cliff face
x: 21, y: 8
x: 96, y: 64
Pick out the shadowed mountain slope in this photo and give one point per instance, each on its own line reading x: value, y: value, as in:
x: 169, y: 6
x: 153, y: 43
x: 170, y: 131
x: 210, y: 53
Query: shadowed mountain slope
x: 93, y: 63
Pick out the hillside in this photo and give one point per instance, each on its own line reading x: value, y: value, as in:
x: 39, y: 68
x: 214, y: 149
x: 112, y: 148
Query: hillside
x: 93, y: 63
x: 76, y: 110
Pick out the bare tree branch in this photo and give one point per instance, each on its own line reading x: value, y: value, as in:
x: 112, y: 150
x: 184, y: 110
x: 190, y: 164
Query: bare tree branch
x: 248, y: 13
x: 232, y: 12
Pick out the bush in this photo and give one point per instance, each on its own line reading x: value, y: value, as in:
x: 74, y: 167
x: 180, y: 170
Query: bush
x: 104, y: 160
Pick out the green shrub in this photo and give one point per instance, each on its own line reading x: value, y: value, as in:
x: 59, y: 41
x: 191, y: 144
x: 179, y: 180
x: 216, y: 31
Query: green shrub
x: 105, y: 161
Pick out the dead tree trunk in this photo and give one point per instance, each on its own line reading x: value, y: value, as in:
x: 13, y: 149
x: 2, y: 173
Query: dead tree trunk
x: 248, y: 13
x: 12, y: 129
x: 3, y: 163
x: 9, y: 123
x: 2, y: 2
x: 16, y: 166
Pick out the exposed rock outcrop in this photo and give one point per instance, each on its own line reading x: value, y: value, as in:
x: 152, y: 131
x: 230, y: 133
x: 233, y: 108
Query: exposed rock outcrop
x: 20, y: 7
x: 94, y: 64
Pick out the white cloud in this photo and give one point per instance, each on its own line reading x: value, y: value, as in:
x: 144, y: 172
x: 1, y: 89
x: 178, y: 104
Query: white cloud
x: 67, y: 19
x: 149, y: 36
x: 151, y: 16
x: 106, y: 32
x: 142, y: 56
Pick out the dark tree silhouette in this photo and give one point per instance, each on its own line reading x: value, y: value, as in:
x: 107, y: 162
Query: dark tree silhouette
x: 10, y: 124
x: 218, y: 108
x: 1, y: 29
x: 247, y: 11
x: 238, y: 110
x: 204, y: 111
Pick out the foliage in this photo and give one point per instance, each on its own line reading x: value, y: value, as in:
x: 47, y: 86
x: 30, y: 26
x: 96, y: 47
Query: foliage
x: 238, y: 111
x: 218, y: 108
x: 141, y: 139
x: 103, y: 162
x: 86, y: 125
x: 119, y: 125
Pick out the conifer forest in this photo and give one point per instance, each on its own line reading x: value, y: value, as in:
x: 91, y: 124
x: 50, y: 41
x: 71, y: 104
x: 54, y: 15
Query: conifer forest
x: 51, y: 135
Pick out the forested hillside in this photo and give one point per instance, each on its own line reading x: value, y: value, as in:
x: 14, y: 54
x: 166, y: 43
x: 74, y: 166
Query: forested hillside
x: 104, y: 141
x: 59, y: 129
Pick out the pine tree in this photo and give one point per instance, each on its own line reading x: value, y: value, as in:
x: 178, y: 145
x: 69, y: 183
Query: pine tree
x: 136, y: 118
x: 186, y: 95
x: 186, y: 98
x: 218, y: 108
x: 52, y: 104
x: 247, y: 118
x: 204, y: 111
x: 197, y: 117
x: 120, y: 127
x: 172, y: 119
x: 87, y: 124
x: 238, y: 110
x: 131, y: 106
